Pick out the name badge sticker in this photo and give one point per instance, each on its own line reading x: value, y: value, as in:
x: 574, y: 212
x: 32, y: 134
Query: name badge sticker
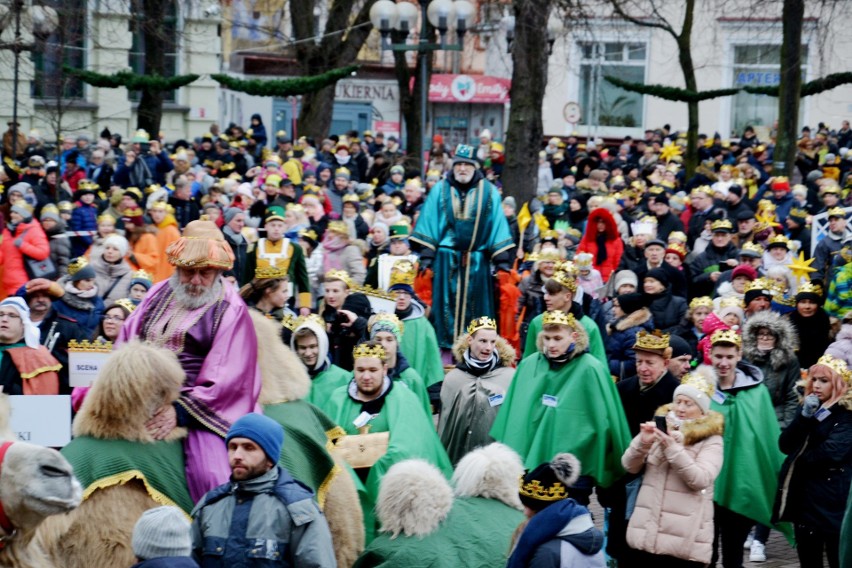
x: 495, y: 400
x: 549, y: 400
x: 719, y: 397
x: 822, y: 414
x: 362, y: 419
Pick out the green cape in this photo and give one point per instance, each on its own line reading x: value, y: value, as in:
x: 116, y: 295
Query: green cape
x: 308, y: 437
x: 476, y: 533
x: 415, y: 384
x: 584, y: 417
x: 99, y: 464
x: 846, y: 535
x: 325, y: 383
x: 419, y: 344
x: 596, y: 344
x: 749, y: 477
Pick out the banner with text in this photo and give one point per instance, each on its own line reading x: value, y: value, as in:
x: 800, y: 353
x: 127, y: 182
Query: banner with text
x: 468, y: 89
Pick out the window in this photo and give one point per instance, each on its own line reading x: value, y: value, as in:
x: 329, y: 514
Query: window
x: 65, y: 46
x: 602, y: 103
x: 758, y: 65
x: 166, y: 32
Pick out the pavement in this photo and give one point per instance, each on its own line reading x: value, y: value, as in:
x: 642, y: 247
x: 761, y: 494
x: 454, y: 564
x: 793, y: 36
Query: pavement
x: 779, y: 554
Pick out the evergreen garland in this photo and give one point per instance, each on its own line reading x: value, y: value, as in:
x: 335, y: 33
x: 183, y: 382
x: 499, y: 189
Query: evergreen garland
x: 131, y: 80
x: 284, y: 87
x: 810, y: 88
x: 670, y: 93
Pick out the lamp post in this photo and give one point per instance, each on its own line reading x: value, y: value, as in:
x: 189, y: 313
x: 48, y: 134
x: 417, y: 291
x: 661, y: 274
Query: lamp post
x: 44, y: 20
x: 386, y: 15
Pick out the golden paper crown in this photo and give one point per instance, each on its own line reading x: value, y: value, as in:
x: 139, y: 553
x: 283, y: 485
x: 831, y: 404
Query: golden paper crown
x: 558, y: 317
x: 135, y: 191
x: 50, y: 208
x: 309, y: 234
x: 273, y: 180
x: 77, y: 265
x: 289, y: 321
x: 798, y: 212
x: 133, y: 212
x: 402, y: 272
x: 152, y: 188
x: 483, y: 322
x: 731, y: 302
x: 339, y: 227
x: 374, y: 292
x: 89, y: 185
x: 726, y: 336
x: 721, y: 225
x: 127, y: 304
x: 369, y: 351
x: 836, y: 365
x: 341, y: 275
x: 678, y: 248
x: 780, y: 239
x: 351, y: 198
x: 342, y: 171
x: 753, y: 247
x: 388, y: 317
x: 761, y: 283
x: 142, y: 275
x: 701, y: 302
x: 830, y: 189
x: 535, y: 490
x: 654, y: 341
x: 549, y: 255
x: 159, y: 206
x: 696, y: 381
x: 90, y: 346
x: 315, y: 318
x: 270, y: 272
x: 569, y: 268
x: 65, y: 206
x: 766, y: 205
x: 810, y: 288
x: 677, y: 236
x: 836, y: 212
x: 565, y: 279
x: 549, y: 235
x: 702, y: 189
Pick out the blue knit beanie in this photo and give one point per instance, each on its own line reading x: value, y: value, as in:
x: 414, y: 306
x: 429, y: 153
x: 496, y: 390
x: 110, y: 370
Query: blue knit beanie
x: 264, y: 431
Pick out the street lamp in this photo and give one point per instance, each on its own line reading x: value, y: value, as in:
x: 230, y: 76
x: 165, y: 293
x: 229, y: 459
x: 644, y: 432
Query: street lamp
x: 43, y: 20
x: 554, y: 29
x: 386, y: 15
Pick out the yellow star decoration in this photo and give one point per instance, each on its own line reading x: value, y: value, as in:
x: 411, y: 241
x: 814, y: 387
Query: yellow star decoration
x: 801, y: 267
x: 670, y: 151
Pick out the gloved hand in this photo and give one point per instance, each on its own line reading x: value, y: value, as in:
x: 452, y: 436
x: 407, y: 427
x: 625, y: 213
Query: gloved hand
x: 810, y: 405
x: 18, y: 242
x: 504, y: 267
x: 425, y: 264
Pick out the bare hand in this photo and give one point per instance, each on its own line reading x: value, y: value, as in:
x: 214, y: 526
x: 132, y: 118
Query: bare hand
x: 647, y: 433
x: 304, y: 311
x: 715, y: 276
x: 163, y: 422
x: 663, y: 438
x: 155, y: 146
x: 352, y: 317
x: 731, y: 262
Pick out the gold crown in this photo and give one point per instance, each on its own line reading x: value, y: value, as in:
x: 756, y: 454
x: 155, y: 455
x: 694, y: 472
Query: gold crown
x: 535, y: 490
x: 798, y: 212
x: 761, y: 283
x: 65, y: 206
x: 402, y: 273
x: 678, y: 236
x: 371, y: 351
x: 810, y: 288
x: 342, y: 172
x: 565, y: 279
x: 159, y: 206
x: 141, y: 275
x: 837, y: 212
x: 270, y: 272
x: 701, y: 302
x: 388, y: 317
x: 88, y: 185
x: 77, y: 265
x: 339, y: 227
x: 483, y: 322
x: 134, y: 190
x: 296, y: 207
x: 341, y: 275
x: 836, y: 365
x: 315, y: 318
x: 678, y: 248
x: 558, y: 317
x: 721, y: 225
x: 549, y: 255
x: 549, y: 235
x: 351, y: 198
x: 90, y: 346
x: 127, y: 304
x: 697, y: 381
x: 731, y: 302
x: 50, y: 208
x: 134, y: 212
x: 702, y: 189
x: 753, y: 247
x: 309, y: 234
x: 833, y: 189
x: 289, y: 321
x: 780, y: 239
x: 655, y: 340
x: 726, y: 336
x: 568, y: 267
x: 152, y: 188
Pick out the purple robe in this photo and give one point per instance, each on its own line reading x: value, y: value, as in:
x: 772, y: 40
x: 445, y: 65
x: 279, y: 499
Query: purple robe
x: 217, y: 348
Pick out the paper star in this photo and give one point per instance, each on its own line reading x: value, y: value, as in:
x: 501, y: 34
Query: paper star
x: 670, y: 151
x: 800, y: 267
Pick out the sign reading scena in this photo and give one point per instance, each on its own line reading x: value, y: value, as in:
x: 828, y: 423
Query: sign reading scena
x: 85, y: 360
x: 41, y: 419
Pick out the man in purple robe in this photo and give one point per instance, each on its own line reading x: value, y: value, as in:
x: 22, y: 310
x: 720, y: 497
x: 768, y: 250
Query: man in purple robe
x: 201, y: 318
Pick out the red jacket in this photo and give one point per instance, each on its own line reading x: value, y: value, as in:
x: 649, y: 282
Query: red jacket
x: 614, y: 244
x: 34, y: 244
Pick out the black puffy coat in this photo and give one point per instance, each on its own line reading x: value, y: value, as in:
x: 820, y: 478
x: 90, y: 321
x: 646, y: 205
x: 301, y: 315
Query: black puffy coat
x: 668, y: 310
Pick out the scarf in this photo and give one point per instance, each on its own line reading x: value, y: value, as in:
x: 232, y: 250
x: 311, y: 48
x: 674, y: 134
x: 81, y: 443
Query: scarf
x: 476, y: 367
x: 560, y: 361
x: 71, y: 289
x: 551, y: 210
x: 542, y: 527
x: 399, y: 368
x: 600, y: 256
x: 332, y: 244
x: 371, y: 406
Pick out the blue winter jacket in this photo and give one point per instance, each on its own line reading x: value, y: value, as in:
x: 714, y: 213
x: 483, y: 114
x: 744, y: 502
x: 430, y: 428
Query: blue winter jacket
x: 622, y: 336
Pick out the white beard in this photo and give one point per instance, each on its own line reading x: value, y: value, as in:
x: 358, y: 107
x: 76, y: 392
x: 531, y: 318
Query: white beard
x: 463, y: 178
x: 191, y: 301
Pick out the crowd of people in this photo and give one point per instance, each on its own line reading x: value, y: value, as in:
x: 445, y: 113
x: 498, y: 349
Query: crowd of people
x: 677, y: 346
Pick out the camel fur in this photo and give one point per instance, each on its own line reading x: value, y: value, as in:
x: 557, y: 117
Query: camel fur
x: 491, y: 472
x: 136, y: 381
x: 414, y: 498
x: 284, y: 378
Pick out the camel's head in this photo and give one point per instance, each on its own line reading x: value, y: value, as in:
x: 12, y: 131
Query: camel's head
x: 36, y: 482
x: 137, y: 380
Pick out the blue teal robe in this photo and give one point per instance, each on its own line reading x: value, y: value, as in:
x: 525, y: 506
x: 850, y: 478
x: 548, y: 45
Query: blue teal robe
x: 465, y: 236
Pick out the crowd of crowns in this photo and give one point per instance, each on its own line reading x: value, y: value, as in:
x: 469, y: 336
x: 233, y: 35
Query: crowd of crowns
x: 656, y: 340
x: 365, y: 350
x: 483, y: 322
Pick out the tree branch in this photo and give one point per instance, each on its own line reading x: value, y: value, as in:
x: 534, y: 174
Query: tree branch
x: 357, y: 34
x: 660, y: 23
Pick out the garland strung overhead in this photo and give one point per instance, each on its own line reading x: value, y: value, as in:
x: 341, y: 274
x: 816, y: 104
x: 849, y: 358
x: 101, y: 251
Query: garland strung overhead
x: 284, y: 87
x: 810, y: 88
x: 670, y: 93
x: 131, y: 80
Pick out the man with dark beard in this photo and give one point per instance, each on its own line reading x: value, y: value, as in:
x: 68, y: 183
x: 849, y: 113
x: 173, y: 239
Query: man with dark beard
x: 205, y: 322
x: 462, y: 230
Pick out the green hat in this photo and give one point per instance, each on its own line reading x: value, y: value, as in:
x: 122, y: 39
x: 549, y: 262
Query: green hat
x: 400, y: 231
x: 465, y: 155
x: 274, y: 213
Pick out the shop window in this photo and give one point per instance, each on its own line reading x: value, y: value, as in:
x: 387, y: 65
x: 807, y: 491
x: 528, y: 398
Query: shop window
x: 758, y: 65
x: 602, y: 103
x: 65, y: 46
x: 167, y: 35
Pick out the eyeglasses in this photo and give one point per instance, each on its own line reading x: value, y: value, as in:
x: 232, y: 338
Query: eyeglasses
x: 113, y: 318
x: 765, y: 335
x: 11, y: 316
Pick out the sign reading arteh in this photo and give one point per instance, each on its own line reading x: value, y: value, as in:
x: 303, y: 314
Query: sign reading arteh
x: 85, y: 360
x: 44, y: 420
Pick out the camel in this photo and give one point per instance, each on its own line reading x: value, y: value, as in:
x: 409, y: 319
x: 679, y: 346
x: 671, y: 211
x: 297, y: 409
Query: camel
x: 35, y: 483
x: 285, y: 382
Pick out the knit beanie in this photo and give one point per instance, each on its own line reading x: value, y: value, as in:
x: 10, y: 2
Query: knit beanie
x: 744, y: 270
x: 630, y: 303
x: 118, y: 242
x: 659, y: 275
x: 231, y: 212
x: 20, y: 208
x: 680, y: 346
x: 732, y: 310
x: 756, y: 293
x: 263, y: 431
x: 161, y: 532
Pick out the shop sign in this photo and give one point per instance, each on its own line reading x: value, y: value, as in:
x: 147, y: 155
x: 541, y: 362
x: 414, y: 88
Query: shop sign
x: 469, y: 89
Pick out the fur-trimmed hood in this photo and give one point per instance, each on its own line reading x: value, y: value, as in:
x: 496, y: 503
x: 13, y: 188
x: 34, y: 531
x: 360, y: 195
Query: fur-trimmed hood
x: 490, y: 472
x: 710, y: 424
x: 637, y: 318
x: 283, y: 377
x: 785, y: 347
x: 505, y: 351
x: 414, y: 498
